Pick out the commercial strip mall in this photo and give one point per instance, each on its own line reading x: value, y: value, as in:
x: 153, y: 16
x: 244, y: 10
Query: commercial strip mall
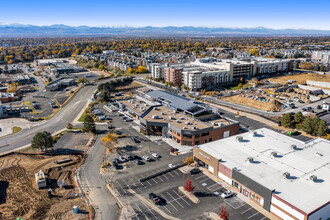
x: 287, y: 177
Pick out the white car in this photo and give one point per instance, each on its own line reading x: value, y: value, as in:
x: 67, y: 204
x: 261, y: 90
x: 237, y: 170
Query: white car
x: 171, y: 165
x: 146, y: 158
x: 155, y: 155
x: 227, y: 194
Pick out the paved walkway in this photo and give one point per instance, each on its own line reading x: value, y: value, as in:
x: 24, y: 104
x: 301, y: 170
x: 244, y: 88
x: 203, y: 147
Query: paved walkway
x: 183, y: 149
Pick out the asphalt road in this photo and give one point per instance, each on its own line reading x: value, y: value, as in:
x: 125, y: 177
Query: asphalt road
x: 94, y: 184
x: 67, y: 114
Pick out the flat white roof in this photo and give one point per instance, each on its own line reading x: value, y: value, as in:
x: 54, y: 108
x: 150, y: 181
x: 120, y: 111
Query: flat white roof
x: 310, y: 158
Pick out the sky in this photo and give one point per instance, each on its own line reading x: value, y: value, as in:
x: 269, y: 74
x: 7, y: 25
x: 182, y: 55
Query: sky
x: 276, y: 14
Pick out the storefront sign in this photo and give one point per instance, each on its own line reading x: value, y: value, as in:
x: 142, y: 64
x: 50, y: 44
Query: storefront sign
x: 208, y: 158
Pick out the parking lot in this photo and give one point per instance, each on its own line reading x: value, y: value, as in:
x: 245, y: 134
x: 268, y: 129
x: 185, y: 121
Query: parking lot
x: 178, y: 205
x: 166, y: 185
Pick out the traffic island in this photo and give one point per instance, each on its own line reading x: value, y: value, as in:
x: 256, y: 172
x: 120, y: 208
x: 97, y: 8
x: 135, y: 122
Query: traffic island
x: 189, y: 195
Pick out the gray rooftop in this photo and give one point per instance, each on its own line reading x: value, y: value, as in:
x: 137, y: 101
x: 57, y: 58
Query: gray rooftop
x: 174, y: 100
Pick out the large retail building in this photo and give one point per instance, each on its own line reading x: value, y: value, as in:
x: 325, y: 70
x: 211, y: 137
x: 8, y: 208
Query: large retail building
x: 287, y: 177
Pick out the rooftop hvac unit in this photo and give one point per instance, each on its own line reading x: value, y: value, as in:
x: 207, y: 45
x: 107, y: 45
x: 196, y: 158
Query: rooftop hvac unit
x: 250, y: 159
x: 294, y: 147
x: 178, y: 121
x: 313, y: 178
x: 162, y: 113
x: 155, y: 117
x: 286, y: 175
x: 181, y: 118
x: 253, y: 133
x: 185, y: 128
x: 239, y: 138
x: 170, y: 117
x: 318, y: 154
x: 156, y: 108
x: 274, y: 154
x: 187, y: 123
x: 193, y: 127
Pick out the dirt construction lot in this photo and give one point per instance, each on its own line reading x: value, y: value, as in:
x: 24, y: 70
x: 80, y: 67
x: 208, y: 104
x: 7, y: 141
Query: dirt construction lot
x: 20, y: 197
x: 300, y: 78
x: 269, y: 106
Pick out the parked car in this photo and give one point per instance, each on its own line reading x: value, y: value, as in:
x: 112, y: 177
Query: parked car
x: 120, y: 115
x: 194, y: 171
x: 174, y: 150
x: 128, y: 120
x: 304, y: 109
x: 116, y: 161
x: 111, y: 127
x: 155, y: 155
x: 101, y: 117
x: 227, y: 194
x: 135, y: 140
x: 137, y: 161
x: 171, y: 165
x: 116, y: 166
x: 319, y: 107
x: 156, y: 199
x: 147, y: 158
x: 122, y: 159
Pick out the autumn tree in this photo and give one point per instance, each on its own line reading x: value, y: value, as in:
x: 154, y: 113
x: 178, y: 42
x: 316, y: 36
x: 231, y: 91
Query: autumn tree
x: 188, y: 160
x: 223, y: 213
x: 110, y: 140
x: 12, y: 87
x: 254, y: 52
x: 141, y: 69
x: 189, y: 187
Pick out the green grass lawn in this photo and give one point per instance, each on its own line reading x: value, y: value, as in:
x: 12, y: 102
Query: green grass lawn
x: 82, y: 117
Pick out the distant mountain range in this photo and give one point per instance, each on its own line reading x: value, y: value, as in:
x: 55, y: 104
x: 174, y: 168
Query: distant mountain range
x: 60, y: 30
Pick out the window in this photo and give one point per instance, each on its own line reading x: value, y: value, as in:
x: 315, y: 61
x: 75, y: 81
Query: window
x: 210, y: 140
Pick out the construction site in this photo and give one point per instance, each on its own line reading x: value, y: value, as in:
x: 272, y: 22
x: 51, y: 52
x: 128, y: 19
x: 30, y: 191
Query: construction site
x: 290, y: 91
x: 40, y: 186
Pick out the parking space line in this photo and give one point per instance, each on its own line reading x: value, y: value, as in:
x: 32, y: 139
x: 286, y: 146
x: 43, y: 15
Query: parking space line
x: 164, y: 175
x: 141, y: 211
x: 263, y: 218
x: 175, y: 200
x: 169, y: 173
x: 150, y: 210
x: 137, y: 180
x: 126, y: 183
x: 167, y: 209
x: 181, y: 197
x: 246, y: 210
x: 203, y: 180
x: 169, y: 202
x: 174, y: 171
x: 253, y: 215
x: 200, y: 177
x: 122, y: 187
x: 160, y: 178
x: 135, y: 184
x: 154, y: 180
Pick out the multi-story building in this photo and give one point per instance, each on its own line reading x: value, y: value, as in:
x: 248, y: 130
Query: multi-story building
x: 196, y: 78
x: 163, y: 121
x: 286, y: 177
x: 173, y: 74
x: 321, y: 56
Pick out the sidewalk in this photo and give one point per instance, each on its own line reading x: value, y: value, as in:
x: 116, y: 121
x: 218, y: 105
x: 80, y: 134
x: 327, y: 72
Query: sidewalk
x: 183, y: 149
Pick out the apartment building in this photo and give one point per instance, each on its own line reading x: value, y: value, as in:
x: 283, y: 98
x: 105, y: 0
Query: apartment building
x: 286, y: 177
x: 196, y: 78
x: 321, y: 56
x: 173, y: 74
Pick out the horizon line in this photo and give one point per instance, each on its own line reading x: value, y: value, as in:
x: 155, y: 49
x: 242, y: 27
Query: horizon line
x: 127, y: 26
